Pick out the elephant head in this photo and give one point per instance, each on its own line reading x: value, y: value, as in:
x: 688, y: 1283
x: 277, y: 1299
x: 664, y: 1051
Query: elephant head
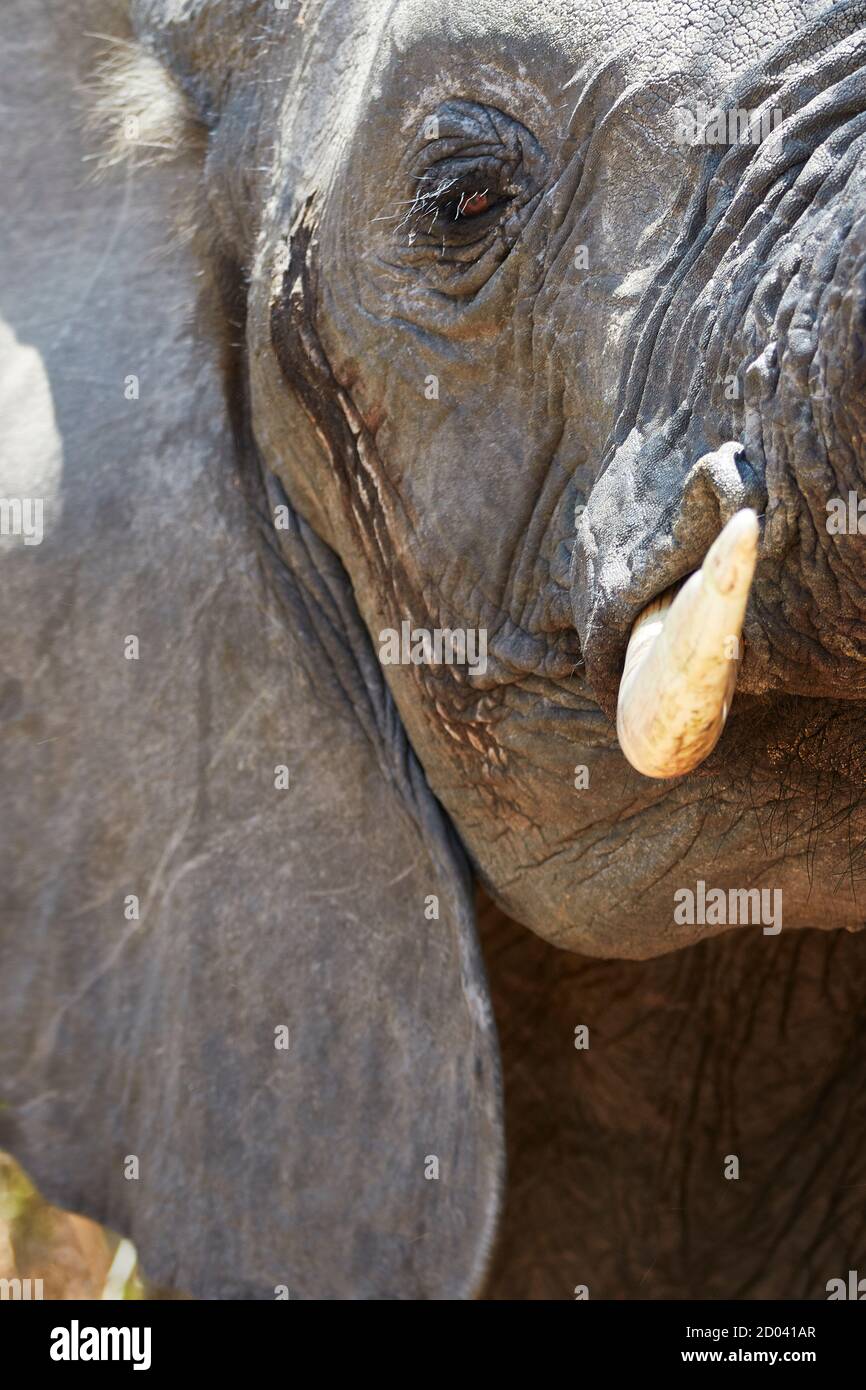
x: 403, y: 359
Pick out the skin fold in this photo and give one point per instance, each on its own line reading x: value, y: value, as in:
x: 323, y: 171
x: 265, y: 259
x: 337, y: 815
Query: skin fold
x: 364, y: 407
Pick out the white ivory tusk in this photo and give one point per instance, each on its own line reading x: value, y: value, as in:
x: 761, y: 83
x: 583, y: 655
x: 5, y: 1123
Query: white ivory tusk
x: 683, y: 656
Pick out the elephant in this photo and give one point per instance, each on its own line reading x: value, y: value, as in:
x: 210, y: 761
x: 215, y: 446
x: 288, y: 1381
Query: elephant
x: 433, y: 651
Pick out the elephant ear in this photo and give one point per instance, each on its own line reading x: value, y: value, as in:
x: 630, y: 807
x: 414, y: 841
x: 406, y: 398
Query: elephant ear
x: 244, y: 1016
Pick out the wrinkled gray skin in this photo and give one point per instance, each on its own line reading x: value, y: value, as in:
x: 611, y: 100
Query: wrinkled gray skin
x: 283, y: 357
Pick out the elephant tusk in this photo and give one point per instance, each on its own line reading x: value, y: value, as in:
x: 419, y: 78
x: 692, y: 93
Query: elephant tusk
x: 683, y: 657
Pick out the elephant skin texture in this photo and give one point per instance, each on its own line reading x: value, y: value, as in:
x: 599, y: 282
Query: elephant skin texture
x: 373, y: 366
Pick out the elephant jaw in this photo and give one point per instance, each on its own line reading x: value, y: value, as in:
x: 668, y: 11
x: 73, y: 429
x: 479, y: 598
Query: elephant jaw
x: 683, y: 656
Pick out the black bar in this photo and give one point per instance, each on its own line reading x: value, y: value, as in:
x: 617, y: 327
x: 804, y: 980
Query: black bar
x: 230, y: 1338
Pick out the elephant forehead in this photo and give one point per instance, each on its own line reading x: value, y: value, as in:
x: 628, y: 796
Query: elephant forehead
x: 398, y: 53
x: 702, y: 36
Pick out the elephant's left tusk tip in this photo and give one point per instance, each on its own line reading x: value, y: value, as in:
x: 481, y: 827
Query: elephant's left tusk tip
x: 683, y: 656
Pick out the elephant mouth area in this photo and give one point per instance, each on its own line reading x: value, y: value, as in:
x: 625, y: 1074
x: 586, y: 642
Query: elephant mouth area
x: 682, y: 622
x: 813, y: 747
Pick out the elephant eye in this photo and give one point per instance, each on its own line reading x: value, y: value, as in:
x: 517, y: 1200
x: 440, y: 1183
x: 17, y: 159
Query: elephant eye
x: 465, y: 206
x: 467, y: 185
x: 455, y: 206
x: 474, y: 205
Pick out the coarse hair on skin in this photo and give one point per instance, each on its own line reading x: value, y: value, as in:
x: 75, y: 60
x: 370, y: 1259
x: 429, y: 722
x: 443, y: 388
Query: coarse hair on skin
x: 136, y: 110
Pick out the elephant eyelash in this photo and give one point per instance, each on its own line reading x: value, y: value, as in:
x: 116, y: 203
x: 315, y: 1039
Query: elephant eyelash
x: 444, y: 208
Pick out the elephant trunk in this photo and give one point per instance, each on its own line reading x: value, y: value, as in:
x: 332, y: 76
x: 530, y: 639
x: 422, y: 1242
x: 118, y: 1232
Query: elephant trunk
x: 745, y: 388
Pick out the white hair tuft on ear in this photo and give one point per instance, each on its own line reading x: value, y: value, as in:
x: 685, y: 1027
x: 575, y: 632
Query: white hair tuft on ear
x: 137, y: 109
